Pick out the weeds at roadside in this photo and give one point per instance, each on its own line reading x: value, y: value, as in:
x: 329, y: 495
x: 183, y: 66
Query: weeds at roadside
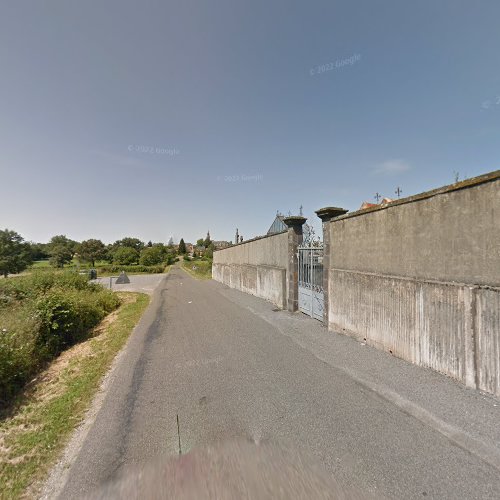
x: 37, y: 425
x: 200, y: 269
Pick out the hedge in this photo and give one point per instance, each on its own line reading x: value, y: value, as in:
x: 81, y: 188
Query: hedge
x: 116, y: 268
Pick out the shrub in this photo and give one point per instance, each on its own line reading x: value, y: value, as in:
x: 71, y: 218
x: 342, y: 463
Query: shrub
x: 125, y: 256
x: 172, y: 259
x: 18, y: 359
x: 202, y: 268
x: 154, y: 255
x: 41, y: 315
x: 113, y: 268
x: 66, y: 316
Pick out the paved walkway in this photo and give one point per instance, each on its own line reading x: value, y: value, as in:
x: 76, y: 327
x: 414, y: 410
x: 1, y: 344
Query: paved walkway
x: 230, y: 366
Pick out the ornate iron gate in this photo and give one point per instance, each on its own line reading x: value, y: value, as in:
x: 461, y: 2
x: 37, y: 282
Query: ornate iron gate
x: 311, y: 299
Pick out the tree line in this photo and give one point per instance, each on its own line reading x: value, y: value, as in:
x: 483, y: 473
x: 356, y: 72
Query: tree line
x: 16, y: 254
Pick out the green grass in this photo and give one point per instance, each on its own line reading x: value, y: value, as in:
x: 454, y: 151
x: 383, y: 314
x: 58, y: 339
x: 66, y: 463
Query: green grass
x: 36, y: 428
x: 104, y: 269
x: 40, y: 264
x: 200, y: 269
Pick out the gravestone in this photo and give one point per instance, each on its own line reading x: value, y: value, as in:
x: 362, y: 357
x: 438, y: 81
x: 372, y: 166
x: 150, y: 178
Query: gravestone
x: 122, y: 279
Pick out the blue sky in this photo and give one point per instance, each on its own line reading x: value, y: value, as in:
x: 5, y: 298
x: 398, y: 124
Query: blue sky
x: 153, y: 119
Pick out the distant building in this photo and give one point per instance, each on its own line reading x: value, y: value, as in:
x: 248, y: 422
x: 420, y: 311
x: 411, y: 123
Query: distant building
x: 279, y: 226
x: 198, y: 250
x: 366, y: 204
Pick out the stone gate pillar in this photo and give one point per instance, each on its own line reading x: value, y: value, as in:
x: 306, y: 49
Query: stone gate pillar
x: 295, y: 237
x: 326, y: 214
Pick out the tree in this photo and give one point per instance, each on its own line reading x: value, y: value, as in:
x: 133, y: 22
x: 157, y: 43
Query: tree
x: 200, y: 242
x: 152, y: 256
x: 209, y: 252
x: 108, y: 255
x: 135, y: 243
x: 61, y: 250
x: 91, y: 250
x: 150, y: 244
x: 15, y: 253
x: 125, y: 256
x: 60, y: 255
x: 39, y: 251
x: 182, y: 247
x: 62, y: 240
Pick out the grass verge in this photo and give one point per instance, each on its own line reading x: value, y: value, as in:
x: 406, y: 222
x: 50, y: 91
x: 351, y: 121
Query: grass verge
x: 35, y: 429
x: 200, y: 269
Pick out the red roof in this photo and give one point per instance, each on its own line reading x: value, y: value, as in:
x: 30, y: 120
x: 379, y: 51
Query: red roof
x: 365, y: 204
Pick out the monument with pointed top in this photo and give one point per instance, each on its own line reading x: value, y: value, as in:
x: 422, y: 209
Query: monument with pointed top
x: 122, y: 279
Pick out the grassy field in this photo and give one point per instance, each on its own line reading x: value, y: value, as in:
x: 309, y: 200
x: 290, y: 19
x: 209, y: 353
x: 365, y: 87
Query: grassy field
x: 45, y: 264
x: 200, y: 269
x: 103, y: 268
x: 35, y: 429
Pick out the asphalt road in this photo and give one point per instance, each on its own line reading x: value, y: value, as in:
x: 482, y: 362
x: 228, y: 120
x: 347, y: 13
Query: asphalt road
x: 145, y: 283
x: 230, y: 367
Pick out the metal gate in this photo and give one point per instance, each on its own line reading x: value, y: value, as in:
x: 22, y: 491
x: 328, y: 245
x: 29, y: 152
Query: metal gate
x: 311, y: 299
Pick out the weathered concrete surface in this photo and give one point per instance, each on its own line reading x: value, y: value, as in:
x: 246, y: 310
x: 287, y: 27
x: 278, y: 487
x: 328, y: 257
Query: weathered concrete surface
x: 326, y: 214
x: 453, y: 329
x: 450, y: 236
x: 257, y: 267
x: 266, y: 282
x: 295, y: 238
x: 487, y: 340
x: 422, y: 279
x: 232, y: 367
x: 267, y: 251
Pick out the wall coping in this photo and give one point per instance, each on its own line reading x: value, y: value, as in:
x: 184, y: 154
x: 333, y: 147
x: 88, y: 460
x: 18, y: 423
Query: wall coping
x: 468, y: 183
x: 256, y: 266
x: 252, y: 240
x: 416, y: 279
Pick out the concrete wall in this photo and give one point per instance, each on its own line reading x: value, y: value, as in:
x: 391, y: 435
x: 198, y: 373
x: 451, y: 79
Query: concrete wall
x: 452, y: 236
x: 421, y: 278
x: 256, y: 266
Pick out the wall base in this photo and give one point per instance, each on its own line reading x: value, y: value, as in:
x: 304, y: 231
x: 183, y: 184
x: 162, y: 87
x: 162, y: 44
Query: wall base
x: 451, y: 328
x: 266, y: 282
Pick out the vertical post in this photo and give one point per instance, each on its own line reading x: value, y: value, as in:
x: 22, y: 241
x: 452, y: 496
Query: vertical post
x: 326, y: 215
x: 295, y: 237
x: 312, y: 281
